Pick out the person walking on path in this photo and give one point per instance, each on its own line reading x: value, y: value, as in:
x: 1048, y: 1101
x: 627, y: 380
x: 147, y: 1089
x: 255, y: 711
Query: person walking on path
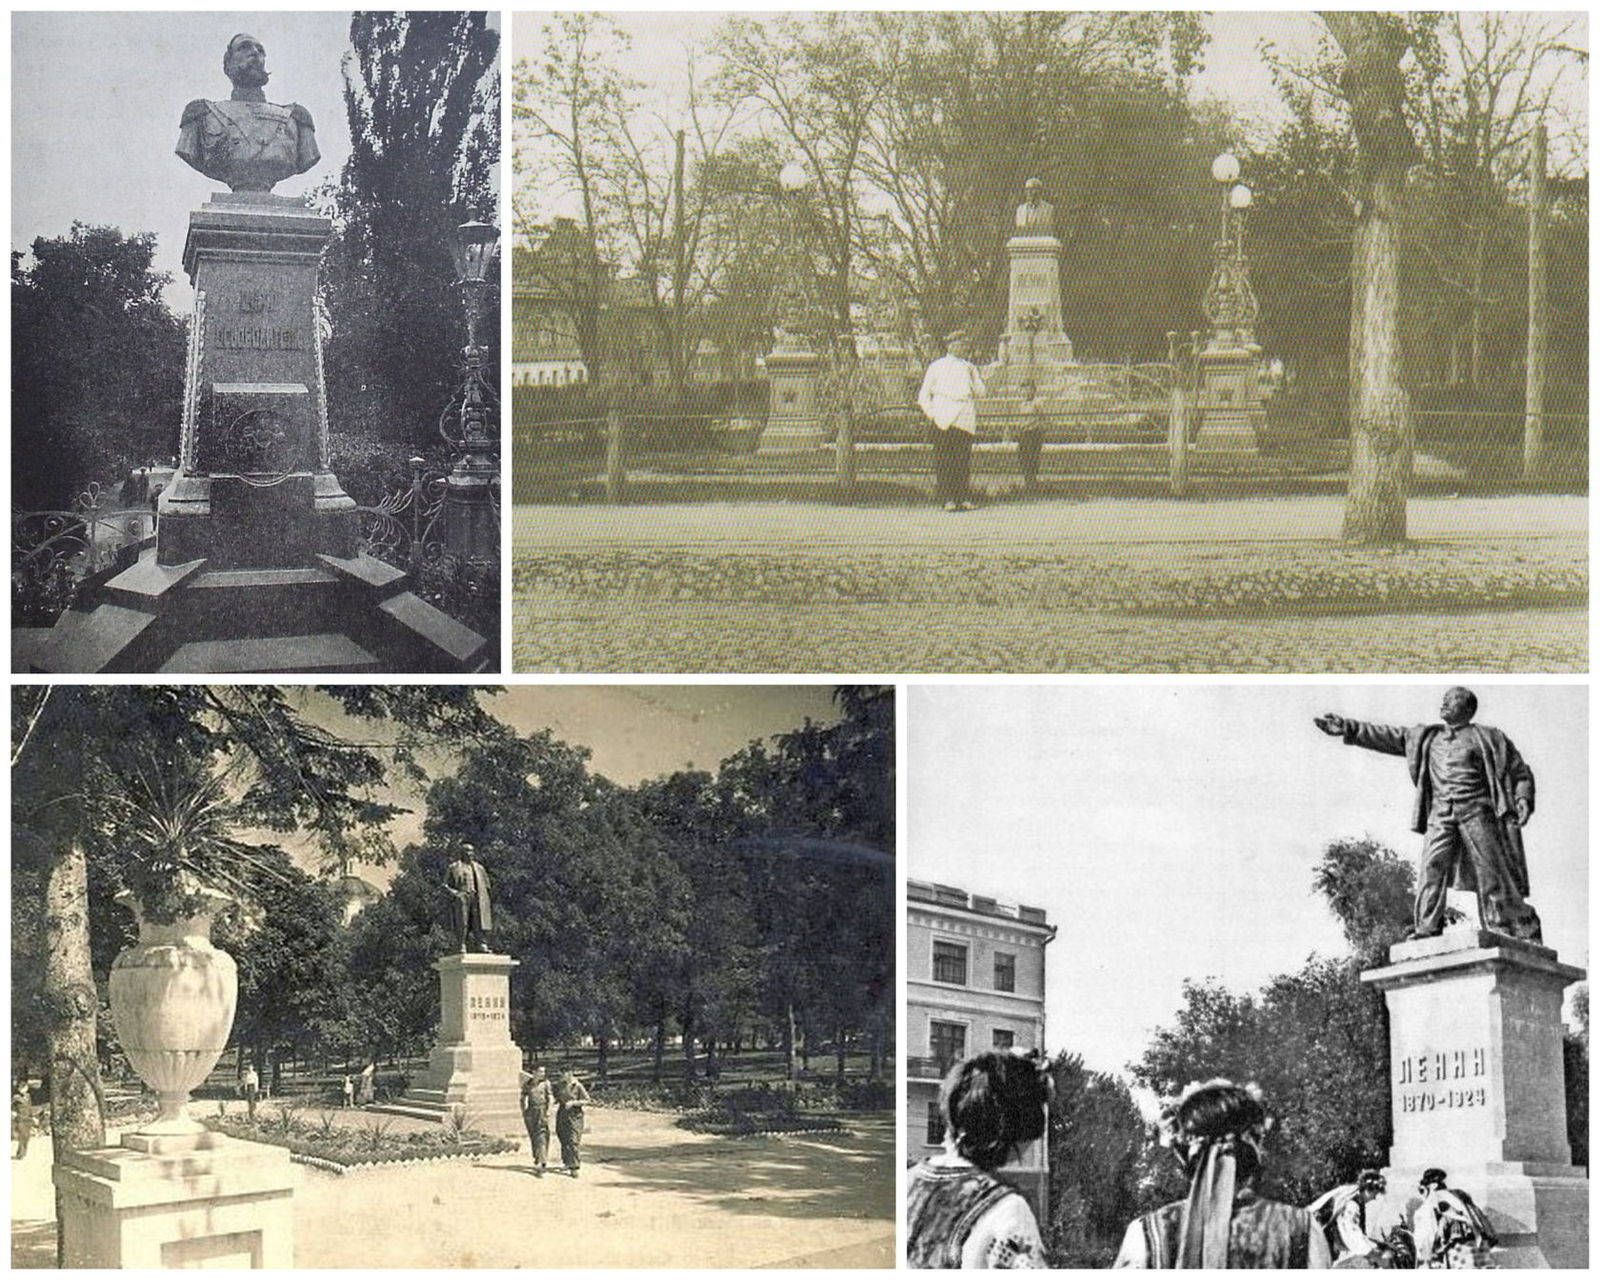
x: 22, y: 1118
x: 536, y: 1116
x: 250, y: 1090
x: 570, y: 1097
x: 949, y: 399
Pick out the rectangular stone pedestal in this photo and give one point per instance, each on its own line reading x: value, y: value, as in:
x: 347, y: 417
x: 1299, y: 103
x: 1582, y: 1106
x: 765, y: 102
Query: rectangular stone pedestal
x: 1477, y: 1086
x: 474, y: 1066
x: 202, y: 1200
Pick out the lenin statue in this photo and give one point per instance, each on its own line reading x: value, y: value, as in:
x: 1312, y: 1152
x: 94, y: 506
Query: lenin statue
x: 468, y: 886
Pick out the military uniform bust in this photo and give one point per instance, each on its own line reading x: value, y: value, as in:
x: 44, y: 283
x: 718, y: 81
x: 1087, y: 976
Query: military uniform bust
x: 245, y: 141
x: 1036, y: 216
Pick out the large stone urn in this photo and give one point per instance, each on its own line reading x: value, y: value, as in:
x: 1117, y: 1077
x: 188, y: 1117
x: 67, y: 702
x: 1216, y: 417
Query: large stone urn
x: 172, y: 999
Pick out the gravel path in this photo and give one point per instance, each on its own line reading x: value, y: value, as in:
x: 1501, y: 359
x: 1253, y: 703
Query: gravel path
x: 1052, y: 587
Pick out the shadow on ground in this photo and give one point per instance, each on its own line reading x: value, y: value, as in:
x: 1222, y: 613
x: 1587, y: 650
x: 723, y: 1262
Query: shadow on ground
x: 769, y: 1175
x: 33, y: 1244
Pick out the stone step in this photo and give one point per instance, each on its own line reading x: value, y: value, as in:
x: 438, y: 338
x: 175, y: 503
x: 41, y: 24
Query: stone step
x: 312, y: 654
x: 91, y: 641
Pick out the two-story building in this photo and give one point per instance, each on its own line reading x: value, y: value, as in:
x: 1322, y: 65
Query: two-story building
x: 974, y: 981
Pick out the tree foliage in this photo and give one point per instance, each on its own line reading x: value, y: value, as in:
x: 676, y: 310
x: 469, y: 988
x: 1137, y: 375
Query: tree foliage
x: 1096, y: 1141
x: 96, y: 364
x: 423, y: 100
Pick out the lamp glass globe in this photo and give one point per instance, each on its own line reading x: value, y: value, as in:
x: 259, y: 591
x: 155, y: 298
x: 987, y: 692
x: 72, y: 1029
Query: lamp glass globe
x: 1225, y: 168
x: 793, y: 176
x: 1241, y: 197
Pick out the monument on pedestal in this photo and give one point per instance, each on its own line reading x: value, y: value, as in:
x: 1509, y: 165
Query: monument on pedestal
x: 255, y: 565
x: 1035, y: 363
x: 474, y: 1067
x: 1476, y: 1073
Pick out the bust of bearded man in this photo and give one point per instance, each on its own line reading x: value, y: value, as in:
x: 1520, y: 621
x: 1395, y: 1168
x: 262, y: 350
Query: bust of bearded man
x: 245, y: 141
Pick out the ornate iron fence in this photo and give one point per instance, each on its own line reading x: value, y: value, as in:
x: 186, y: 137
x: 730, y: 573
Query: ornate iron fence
x: 53, y: 553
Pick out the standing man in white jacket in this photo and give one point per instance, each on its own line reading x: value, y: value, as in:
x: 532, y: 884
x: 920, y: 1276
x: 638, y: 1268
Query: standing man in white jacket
x: 949, y: 398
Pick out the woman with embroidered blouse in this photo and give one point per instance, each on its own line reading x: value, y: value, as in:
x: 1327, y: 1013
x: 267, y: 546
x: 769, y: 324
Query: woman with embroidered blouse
x: 958, y: 1212
x: 1217, y: 1130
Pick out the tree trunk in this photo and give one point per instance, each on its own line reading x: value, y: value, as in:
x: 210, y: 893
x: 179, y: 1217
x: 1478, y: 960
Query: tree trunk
x: 661, y: 1049
x: 1538, y: 314
x: 1381, y: 436
x: 1480, y: 305
x: 839, y: 1051
x: 688, y: 1045
x: 602, y: 1059
x: 77, y: 1122
x: 789, y: 1068
x: 713, y: 1063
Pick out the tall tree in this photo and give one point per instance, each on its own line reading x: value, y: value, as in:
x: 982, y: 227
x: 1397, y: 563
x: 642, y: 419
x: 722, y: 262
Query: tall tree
x: 1382, y: 433
x: 96, y: 364
x: 423, y: 100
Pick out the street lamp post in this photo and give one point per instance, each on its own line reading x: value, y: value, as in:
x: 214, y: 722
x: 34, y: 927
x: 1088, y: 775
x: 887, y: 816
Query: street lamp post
x: 1229, y: 363
x: 471, y: 421
x: 794, y: 371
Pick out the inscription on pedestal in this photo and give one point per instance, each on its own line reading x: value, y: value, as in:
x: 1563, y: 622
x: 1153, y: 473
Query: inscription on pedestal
x: 1445, y: 1078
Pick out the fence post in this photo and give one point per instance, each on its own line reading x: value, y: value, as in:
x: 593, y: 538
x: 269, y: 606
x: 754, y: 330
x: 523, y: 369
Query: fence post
x: 616, y: 475
x: 1178, y: 438
x: 845, y: 453
x: 417, y: 464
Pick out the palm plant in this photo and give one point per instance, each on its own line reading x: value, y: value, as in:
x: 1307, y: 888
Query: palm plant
x: 169, y: 829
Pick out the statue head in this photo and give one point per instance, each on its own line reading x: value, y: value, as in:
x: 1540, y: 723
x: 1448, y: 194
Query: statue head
x: 1459, y: 706
x: 245, y: 62
x: 466, y: 851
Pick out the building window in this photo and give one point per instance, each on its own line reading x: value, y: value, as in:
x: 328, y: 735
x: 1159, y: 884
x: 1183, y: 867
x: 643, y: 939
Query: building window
x: 950, y: 963
x: 935, y: 1126
x: 1005, y: 972
x: 1005, y: 1039
x: 947, y: 1044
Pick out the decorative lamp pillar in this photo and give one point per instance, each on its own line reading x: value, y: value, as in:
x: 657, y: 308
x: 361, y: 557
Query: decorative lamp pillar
x: 1230, y: 360
x: 471, y: 420
x: 794, y: 370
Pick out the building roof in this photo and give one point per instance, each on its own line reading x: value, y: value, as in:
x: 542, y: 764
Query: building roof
x: 944, y: 895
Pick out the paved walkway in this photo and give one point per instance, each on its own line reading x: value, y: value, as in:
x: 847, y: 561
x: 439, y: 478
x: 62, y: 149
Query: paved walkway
x: 1487, y: 584
x: 650, y: 1195
x: 1018, y: 524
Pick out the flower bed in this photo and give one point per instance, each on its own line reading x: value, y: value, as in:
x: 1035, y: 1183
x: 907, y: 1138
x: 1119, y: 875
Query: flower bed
x: 746, y: 1124
x: 324, y: 1144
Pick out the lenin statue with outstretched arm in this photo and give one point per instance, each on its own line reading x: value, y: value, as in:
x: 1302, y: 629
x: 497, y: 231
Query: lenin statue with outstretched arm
x: 1474, y: 794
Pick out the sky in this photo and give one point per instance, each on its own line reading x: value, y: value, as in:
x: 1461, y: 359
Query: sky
x: 1170, y: 832
x: 634, y: 732
x: 97, y: 97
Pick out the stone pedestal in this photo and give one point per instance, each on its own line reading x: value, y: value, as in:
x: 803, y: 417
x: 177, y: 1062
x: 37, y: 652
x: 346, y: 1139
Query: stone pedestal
x: 1229, y: 403
x: 1477, y: 1086
x: 794, y: 415
x: 254, y: 488
x: 1036, y: 293
x: 256, y: 566
x: 474, y: 1064
x: 200, y: 1200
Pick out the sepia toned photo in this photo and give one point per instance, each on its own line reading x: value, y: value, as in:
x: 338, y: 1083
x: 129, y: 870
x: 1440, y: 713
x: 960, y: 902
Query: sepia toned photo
x: 1256, y: 976
x: 1049, y: 341
x: 255, y: 343
x: 445, y: 976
